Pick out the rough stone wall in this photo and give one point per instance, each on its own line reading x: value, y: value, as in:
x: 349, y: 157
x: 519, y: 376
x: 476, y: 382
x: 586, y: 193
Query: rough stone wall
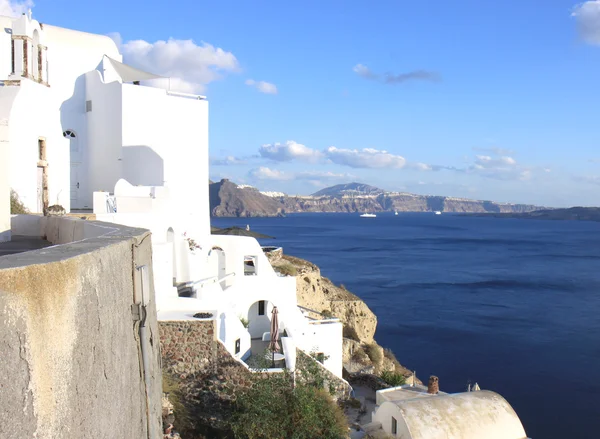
x: 71, y: 363
x: 207, y: 375
x: 339, y: 387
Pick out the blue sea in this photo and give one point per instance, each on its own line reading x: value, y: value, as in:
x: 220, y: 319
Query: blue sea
x: 513, y: 305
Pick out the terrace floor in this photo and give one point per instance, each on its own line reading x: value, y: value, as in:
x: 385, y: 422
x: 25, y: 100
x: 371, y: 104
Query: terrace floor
x: 20, y: 244
x: 259, y: 357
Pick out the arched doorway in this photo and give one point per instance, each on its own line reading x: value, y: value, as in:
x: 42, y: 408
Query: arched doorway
x: 171, y: 240
x: 259, y: 318
x: 218, y: 263
x: 75, y: 167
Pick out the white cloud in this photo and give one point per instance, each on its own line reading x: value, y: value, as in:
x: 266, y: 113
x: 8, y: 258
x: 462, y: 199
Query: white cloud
x: 288, y: 151
x: 227, y: 161
x: 421, y: 166
x: 189, y: 65
x: 14, y: 8
x: 263, y: 86
x: 485, y: 161
x: 498, y: 168
x: 364, y: 72
x: 364, y: 158
x: 587, y: 15
x: 265, y: 173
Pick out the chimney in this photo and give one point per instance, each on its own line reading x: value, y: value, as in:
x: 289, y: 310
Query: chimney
x: 433, y: 387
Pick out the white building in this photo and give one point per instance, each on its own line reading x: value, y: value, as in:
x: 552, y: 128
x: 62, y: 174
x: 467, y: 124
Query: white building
x: 413, y: 412
x: 83, y: 130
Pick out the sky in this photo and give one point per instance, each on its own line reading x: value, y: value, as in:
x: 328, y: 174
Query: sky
x: 496, y: 100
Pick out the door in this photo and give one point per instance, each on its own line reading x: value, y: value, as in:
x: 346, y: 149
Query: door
x: 74, y: 184
x: 40, y: 189
x: 75, y: 168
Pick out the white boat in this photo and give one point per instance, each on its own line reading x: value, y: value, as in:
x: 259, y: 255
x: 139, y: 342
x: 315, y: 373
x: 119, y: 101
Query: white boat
x: 437, y: 212
x: 395, y: 212
x: 368, y: 215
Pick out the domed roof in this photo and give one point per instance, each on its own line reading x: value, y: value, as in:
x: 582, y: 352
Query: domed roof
x: 470, y: 415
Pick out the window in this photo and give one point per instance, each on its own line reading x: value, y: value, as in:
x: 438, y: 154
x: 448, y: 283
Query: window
x: 69, y: 134
x: 249, y: 265
x: 237, y: 346
x: 88, y: 106
x: 394, y: 426
x: 261, y: 307
x: 41, y: 149
x: 12, y: 54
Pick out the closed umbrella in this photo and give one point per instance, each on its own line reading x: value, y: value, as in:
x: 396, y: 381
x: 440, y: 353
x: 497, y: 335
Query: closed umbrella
x: 274, y: 343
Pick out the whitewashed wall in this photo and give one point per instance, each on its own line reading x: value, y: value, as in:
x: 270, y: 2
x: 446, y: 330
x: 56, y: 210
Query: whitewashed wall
x: 169, y: 134
x: 384, y: 414
x: 5, y: 46
x: 39, y: 111
x: 34, y: 115
x: 104, y: 133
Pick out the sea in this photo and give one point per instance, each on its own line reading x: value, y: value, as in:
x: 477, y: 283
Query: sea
x: 512, y: 304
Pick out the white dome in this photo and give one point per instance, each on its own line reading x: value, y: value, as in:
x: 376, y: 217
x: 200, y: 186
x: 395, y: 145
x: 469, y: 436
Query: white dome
x: 471, y: 415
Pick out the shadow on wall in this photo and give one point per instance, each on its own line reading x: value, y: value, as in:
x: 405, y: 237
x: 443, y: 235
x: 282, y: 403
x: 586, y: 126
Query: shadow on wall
x: 142, y: 166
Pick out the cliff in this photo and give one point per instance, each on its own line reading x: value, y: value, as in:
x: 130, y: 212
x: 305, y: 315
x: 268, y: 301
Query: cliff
x: 229, y: 199
x: 362, y: 354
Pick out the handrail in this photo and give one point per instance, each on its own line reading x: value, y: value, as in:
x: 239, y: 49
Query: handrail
x: 308, y: 309
x: 318, y: 322
x: 207, y: 280
x: 185, y: 95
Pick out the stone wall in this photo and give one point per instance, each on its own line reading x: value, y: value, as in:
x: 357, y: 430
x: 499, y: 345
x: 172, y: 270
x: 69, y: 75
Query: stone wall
x: 71, y: 363
x: 339, y: 388
x: 207, y: 376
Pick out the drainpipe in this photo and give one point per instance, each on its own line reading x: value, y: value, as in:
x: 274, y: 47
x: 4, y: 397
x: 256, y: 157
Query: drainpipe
x: 145, y: 351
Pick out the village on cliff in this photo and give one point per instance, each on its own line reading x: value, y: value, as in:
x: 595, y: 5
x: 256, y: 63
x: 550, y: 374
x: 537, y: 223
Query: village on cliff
x: 113, y: 282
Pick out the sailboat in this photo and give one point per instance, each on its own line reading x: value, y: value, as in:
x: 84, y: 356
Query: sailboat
x: 395, y: 212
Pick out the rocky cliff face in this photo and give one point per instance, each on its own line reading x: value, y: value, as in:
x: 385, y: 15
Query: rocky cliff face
x: 315, y: 292
x: 229, y: 199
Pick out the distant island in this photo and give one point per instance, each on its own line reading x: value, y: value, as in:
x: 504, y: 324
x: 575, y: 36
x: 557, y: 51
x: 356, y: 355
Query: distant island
x: 571, y: 213
x: 228, y: 199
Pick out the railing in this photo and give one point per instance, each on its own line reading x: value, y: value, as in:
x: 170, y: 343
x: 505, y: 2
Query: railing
x: 324, y: 321
x: 185, y: 95
x: 208, y: 280
x: 313, y: 321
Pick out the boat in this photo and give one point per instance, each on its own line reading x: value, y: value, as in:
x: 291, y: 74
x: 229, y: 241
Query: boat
x: 437, y: 212
x: 395, y: 212
x: 368, y: 215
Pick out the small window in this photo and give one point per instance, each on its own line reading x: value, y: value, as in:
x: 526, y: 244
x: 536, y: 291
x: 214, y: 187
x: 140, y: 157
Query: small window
x: 237, y: 346
x: 394, y: 426
x: 69, y: 134
x: 88, y: 106
x: 41, y: 149
x: 261, y: 307
x: 250, y: 265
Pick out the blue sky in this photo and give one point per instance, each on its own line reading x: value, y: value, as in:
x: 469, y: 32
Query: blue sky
x: 492, y: 100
